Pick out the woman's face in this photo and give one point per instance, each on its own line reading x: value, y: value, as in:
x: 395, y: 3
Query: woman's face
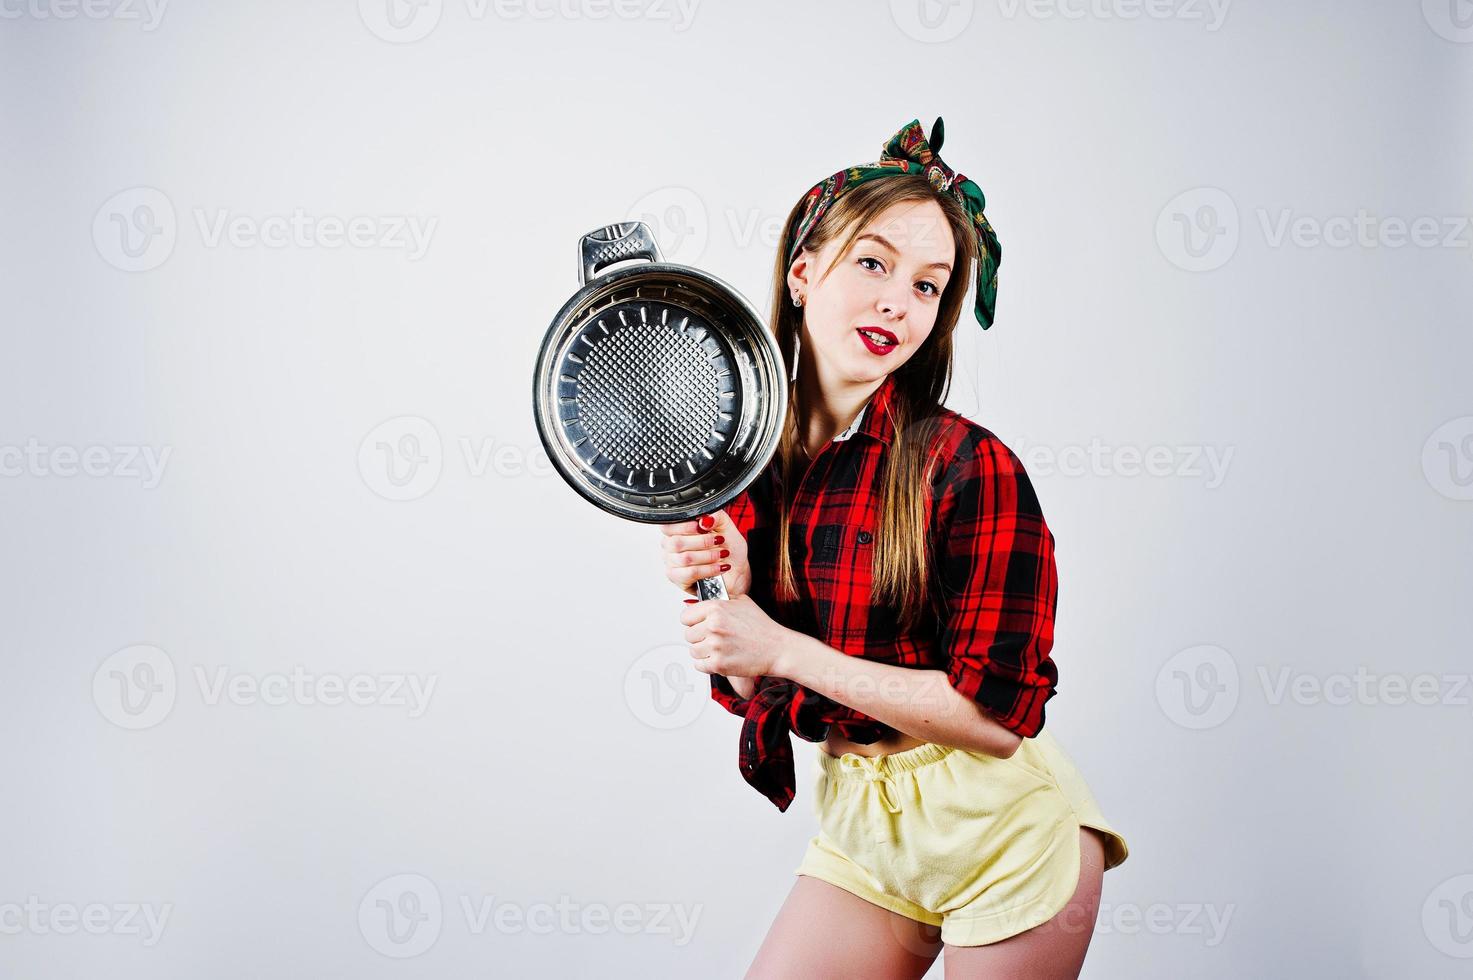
x: 889, y: 282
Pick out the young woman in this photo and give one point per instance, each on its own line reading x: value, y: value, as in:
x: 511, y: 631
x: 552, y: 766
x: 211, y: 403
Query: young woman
x: 892, y: 595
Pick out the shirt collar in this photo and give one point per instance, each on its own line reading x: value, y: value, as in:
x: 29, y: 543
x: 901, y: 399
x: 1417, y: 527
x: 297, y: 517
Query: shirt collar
x: 873, y: 419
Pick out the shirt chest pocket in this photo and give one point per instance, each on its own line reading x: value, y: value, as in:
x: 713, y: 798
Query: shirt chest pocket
x: 841, y: 571
x: 832, y: 543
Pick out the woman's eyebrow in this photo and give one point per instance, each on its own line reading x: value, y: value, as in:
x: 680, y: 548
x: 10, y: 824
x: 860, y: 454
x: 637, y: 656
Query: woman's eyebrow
x: 888, y: 244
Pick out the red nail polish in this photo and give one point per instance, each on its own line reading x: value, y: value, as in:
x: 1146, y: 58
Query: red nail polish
x: 726, y: 568
x: 720, y: 539
x: 706, y: 523
x: 724, y: 554
x: 692, y: 600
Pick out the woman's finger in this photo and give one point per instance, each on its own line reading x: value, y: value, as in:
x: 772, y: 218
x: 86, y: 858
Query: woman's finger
x: 710, y: 556
x: 700, y: 525
x: 698, y: 572
x: 690, y: 542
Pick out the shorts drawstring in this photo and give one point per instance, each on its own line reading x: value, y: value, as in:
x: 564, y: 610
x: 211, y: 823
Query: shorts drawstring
x: 883, y: 771
x: 875, y: 772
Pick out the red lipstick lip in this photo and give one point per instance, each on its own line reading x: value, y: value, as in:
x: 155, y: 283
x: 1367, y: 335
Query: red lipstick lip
x: 882, y: 332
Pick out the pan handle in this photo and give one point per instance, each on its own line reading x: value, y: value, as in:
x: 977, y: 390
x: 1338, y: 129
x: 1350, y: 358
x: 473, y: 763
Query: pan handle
x: 711, y: 588
x: 615, y: 243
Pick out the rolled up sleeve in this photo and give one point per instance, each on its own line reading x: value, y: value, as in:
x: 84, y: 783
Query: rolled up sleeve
x: 725, y: 695
x: 995, y: 566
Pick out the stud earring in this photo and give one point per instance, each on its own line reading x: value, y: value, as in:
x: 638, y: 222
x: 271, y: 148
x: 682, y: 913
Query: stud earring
x: 797, y: 301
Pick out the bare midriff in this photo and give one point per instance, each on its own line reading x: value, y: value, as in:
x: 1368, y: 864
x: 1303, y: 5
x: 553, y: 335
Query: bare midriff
x: 836, y: 745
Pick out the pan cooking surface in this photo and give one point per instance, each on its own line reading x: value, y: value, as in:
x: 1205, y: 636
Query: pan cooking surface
x: 649, y: 394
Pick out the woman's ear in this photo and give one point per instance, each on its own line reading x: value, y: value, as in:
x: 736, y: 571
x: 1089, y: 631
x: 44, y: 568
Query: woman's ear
x: 798, y: 273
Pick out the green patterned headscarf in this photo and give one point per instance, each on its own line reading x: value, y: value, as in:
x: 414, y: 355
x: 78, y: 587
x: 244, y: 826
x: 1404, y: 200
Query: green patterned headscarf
x: 909, y: 152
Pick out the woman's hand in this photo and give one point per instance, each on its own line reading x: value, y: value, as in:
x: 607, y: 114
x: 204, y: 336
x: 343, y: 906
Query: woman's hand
x: 697, y: 549
x: 734, y: 637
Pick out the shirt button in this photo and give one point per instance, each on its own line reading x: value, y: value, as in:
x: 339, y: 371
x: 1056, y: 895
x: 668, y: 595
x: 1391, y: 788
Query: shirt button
x: 864, y: 537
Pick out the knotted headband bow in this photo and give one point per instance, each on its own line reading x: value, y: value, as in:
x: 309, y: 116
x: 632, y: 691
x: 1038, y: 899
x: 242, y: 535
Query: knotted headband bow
x: 909, y: 152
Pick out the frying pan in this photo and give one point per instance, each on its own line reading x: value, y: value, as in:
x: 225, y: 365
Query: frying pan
x: 659, y: 393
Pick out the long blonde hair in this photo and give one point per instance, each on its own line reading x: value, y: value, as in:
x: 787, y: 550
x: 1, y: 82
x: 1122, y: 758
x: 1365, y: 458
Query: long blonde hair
x: 902, y: 559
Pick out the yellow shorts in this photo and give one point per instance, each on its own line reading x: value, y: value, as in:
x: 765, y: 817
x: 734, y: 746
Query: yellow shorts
x: 983, y: 847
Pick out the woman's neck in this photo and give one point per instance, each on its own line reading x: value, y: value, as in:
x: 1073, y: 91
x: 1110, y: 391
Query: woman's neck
x: 827, y: 407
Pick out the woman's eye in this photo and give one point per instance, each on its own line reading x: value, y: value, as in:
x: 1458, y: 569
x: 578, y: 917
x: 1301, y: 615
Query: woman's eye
x: 935, y: 290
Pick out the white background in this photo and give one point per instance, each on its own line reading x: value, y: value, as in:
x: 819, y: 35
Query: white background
x: 567, y: 752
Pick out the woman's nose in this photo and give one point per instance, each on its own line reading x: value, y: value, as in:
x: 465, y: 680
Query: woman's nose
x: 893, y: 304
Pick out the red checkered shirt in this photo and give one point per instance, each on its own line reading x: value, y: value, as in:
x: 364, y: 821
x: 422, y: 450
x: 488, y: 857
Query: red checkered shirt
x: 994, y: 575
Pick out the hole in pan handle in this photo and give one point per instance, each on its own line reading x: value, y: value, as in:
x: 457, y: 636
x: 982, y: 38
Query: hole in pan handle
x: 619, y: 242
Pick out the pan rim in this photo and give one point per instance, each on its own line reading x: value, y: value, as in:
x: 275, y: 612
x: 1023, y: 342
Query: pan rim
x: 768, y: 364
